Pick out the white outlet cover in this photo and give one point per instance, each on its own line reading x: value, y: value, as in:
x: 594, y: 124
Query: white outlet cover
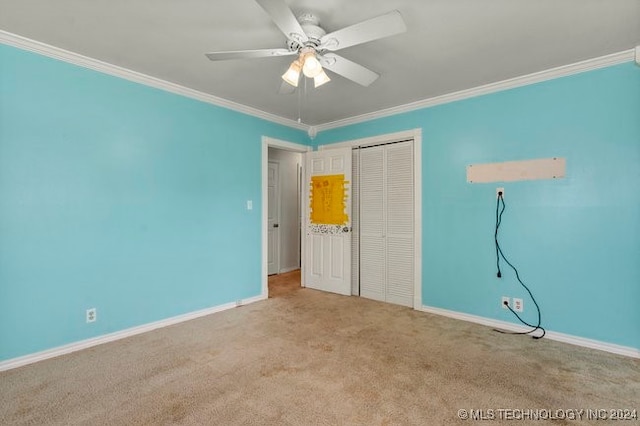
x: 499, y: 190
x: 249, y: 205
x: 505, y: 299
x: 92, y: 315
x: 518, y: 305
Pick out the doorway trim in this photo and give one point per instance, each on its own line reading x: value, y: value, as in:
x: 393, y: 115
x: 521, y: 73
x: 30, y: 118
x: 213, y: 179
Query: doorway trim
x: 267, y: 143
x: 278, y: 220
x: 416, y: 135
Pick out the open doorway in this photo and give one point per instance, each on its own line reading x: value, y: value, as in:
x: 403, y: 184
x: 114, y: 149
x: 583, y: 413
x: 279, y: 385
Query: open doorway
x: 284, y: 187
x: 282, y: 172
x: 283, y: 210
x: 285, y: 284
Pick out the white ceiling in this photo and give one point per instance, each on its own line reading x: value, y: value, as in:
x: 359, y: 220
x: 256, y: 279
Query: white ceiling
x: 450, y: 45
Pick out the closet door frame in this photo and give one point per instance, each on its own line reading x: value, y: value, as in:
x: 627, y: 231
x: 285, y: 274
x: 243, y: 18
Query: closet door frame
x: 416, y: 136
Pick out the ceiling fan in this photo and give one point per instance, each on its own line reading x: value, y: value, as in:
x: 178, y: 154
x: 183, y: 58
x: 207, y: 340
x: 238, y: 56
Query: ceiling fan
x: 313, y: 46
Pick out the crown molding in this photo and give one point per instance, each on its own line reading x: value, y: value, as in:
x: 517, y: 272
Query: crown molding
x: 114, y: 70
x: 537, y: 77
x: 127, y: 74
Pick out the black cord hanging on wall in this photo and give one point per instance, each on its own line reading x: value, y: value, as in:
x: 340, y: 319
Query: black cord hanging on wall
x: 500, y: 207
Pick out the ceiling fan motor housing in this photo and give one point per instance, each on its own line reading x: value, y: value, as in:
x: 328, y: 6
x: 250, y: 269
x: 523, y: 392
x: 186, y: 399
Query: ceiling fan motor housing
x: 311, y: 26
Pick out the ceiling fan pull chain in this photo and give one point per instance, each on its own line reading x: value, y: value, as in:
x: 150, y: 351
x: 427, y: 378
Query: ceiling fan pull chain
x: 300, y: 105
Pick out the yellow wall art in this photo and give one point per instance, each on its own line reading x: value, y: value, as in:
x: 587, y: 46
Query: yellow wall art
x: 328, y: 198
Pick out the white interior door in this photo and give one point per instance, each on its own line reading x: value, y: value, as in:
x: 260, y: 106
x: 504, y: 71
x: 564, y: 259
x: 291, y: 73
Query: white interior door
x: 355, y: 222
x: 328, y: 220
x: 273, y: 219
x: 400, y: 223
x: 386, y: 223
x: 373, y: 265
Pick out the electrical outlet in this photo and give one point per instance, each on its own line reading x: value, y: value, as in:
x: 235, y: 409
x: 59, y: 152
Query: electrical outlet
x: 249, y: 205
x: 518, y: 305
x: 505, y: 301
x: 498, y: 191
x: 92, y: 315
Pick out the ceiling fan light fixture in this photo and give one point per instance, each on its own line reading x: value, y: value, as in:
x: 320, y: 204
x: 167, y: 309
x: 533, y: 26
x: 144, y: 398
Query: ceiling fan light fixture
x: 313, y: 46
x: 321, y: 79
x: 292, y: 75
x: 310, y: 65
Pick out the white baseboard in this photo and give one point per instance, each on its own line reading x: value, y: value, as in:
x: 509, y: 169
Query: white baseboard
x: 289, y: 269
x: 552, y: 335
x: 252, y: 300
x: 84, y: 344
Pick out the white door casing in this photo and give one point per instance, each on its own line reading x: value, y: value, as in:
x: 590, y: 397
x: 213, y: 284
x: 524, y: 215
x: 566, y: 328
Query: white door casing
x: 273, y: 219
x: 328, y: 246
x: 267, y: 143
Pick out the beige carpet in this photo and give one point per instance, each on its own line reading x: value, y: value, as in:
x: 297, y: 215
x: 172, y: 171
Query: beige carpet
x: 309, y: 357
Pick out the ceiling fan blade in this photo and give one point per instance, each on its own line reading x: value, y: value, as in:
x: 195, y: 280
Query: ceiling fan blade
x: 248, y: 54
x: 383, y: 26
x: 348, y: 69
x: 284, y: 19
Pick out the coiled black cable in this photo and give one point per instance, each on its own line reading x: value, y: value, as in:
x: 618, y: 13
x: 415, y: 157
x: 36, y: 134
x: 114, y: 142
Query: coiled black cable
x: 500, y: 254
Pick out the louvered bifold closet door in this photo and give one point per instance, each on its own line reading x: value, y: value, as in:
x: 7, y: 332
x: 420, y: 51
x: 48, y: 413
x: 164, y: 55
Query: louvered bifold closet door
x: 355, y: 223
x: 400, y: 223
x: 372, y: 223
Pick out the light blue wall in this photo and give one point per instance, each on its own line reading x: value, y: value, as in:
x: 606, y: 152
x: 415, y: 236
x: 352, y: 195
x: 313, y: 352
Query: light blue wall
x: 132, y: 200
x: 576, y: 241
x: 121, y: 197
